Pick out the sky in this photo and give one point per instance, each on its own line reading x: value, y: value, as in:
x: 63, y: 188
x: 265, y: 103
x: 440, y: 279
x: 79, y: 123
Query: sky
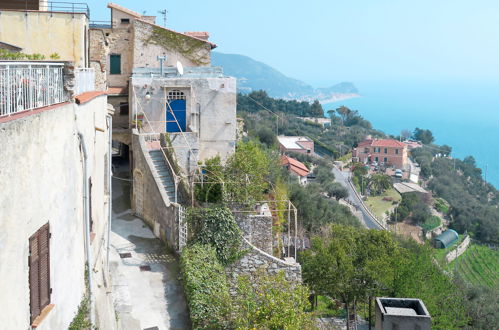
x: 327, y: 41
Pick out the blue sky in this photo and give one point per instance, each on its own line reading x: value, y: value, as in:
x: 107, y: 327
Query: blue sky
x: 327, y: 41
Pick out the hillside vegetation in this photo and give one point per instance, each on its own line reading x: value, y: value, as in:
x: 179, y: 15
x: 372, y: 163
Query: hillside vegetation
x: 479, y: 265
x: 254, y: 75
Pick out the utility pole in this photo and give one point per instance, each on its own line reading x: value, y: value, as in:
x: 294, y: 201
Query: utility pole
x: 163, y: 12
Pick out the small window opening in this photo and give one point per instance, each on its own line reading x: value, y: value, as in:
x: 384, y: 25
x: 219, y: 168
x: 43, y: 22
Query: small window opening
x: 125, y: 21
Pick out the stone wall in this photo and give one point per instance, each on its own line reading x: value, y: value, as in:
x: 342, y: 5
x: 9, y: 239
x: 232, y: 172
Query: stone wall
x: 257, y: 230
x: 149, y: 200
x: 146, y: 48
x: 256, y: 260
x: 456, y: 252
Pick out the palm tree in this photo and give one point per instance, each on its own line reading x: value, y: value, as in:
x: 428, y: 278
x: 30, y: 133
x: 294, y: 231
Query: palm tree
x: 378, y: 183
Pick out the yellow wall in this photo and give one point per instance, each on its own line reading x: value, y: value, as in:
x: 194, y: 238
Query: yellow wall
x: 46, y: 33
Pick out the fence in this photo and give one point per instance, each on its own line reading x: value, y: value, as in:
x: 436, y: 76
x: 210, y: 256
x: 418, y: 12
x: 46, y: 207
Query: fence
x: 84, y: 80
x: 27, y: 85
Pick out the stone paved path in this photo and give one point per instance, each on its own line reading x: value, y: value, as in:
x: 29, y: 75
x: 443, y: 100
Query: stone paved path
x: 143, y: 298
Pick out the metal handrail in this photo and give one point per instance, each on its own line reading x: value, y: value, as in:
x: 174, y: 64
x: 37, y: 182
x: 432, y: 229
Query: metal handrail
x: 50, y: 6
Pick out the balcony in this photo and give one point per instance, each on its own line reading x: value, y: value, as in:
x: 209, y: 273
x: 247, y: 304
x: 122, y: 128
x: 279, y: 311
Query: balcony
x: 44, y: 5
x: 30, y: 85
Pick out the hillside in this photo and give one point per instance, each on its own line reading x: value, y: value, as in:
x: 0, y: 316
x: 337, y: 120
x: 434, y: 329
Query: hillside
x: 254, y: 75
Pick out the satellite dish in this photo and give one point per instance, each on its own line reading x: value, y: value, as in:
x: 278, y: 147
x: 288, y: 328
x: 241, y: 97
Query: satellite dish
x: 180, y: 68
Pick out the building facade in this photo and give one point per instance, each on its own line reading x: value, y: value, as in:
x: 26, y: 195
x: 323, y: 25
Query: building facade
x: 387, y: 152
x: 401, y: 314
x: 300, y: 144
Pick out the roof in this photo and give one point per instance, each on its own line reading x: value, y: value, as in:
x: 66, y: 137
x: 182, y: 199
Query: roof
x: 294, y: 165
x: 6, y: 45
x: 292, y: 142
x: 447, y: 237
x: 198, y: 34
x: 123, y: 9
x: 88, y: 96
x: 144, y: 19
x: 406, y: 187
x: 382, y: 143
x: 212, y: 45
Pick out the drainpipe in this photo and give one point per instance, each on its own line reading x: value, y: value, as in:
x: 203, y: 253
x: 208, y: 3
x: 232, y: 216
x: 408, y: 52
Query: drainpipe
x: 86, y: 213
x: 110, y: 174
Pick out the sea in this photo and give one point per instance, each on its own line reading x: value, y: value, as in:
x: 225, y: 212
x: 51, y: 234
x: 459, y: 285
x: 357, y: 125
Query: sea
x: 461, y: 114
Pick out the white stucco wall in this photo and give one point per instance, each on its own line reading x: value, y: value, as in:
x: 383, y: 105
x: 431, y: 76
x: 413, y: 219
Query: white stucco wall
x: 42, y: 181
x: 210, y: 106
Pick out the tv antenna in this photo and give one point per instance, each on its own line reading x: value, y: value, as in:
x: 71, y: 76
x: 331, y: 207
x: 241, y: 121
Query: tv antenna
x: 163, y: 12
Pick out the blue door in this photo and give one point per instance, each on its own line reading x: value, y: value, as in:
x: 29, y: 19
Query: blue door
x: 178, y: 108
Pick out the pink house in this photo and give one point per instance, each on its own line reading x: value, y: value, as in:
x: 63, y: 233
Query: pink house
x: 389, y: 152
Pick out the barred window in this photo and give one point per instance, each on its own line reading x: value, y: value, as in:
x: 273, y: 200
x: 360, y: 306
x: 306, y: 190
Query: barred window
x: 175, y: 95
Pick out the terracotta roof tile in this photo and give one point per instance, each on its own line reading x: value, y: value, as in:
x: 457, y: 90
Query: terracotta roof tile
x: 88, y: 96
x: 382, y: 143
x: 295, y: 166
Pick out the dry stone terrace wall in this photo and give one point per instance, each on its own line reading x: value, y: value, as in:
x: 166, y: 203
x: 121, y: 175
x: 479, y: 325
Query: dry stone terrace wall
x: 256, y: 260
x: 257, y: 229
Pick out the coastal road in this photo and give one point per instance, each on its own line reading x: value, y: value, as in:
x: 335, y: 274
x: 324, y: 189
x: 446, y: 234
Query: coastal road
x: 342, y: 178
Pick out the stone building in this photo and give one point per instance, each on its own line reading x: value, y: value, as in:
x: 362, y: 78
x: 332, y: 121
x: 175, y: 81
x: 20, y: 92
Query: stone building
x: 131, y: 40
x: 55, y: 176
x: 173, y: 110
x: 54, y: 171
x: 388, y: 152
x: 57, y: 31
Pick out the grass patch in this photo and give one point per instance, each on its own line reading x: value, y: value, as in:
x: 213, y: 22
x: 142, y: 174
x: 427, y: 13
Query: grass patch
x: 479, y: 265
x: 379, y: 206
x: 441, y: 206
x: 346, y: 157
x: 431, y: 223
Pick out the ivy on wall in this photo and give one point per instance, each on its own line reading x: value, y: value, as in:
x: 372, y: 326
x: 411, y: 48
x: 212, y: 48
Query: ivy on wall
x: 217, y: 227
x: 187, y: 46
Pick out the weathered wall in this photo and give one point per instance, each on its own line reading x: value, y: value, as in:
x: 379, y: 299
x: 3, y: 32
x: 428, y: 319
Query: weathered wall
x: 46, y: 33
x: 149, y: 201
x: 256, y: 261
x: 151, y: 41
x: 257, y: 229
x: 460, y: 249
x: 210, y: 106
x: 41, y: 175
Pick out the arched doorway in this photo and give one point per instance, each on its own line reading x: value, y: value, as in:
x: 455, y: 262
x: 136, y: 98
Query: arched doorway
x: 175, y: 111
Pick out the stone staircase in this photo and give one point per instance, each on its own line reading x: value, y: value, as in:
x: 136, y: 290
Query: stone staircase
x: 164, y: 174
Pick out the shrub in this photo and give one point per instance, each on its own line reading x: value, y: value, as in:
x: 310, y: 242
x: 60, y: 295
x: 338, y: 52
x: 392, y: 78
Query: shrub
x: 216, y: 227
x: 270, y: 302
x: 205, y: 286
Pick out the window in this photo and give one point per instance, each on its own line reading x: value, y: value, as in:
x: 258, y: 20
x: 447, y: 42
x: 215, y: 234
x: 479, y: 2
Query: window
x: 385, y: 160
x: 125, y: 21
x: 366, y: 150
x: 175, y: 95
x: 39, y: 271
x: 123, y: 108
x: 396, y: 151
x: 386, y: 150
x: 115, y: 62
x: 376, y: 159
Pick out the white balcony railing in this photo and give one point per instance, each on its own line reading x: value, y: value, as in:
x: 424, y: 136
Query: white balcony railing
x: 84, y: 80
x: 30, y: 85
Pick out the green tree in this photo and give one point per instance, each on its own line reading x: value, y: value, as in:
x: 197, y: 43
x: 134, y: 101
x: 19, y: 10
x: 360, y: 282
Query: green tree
x: 247, y: 173
x: 379, y: 183
x: 316, y: 109
x: 350, y: 264
x: 270, y: 302
x: 336, y: 190
x: 423, y: 135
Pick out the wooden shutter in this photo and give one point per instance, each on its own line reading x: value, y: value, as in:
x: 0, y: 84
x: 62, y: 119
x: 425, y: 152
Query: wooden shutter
x: 39, y: 270
x: 115, y: 64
